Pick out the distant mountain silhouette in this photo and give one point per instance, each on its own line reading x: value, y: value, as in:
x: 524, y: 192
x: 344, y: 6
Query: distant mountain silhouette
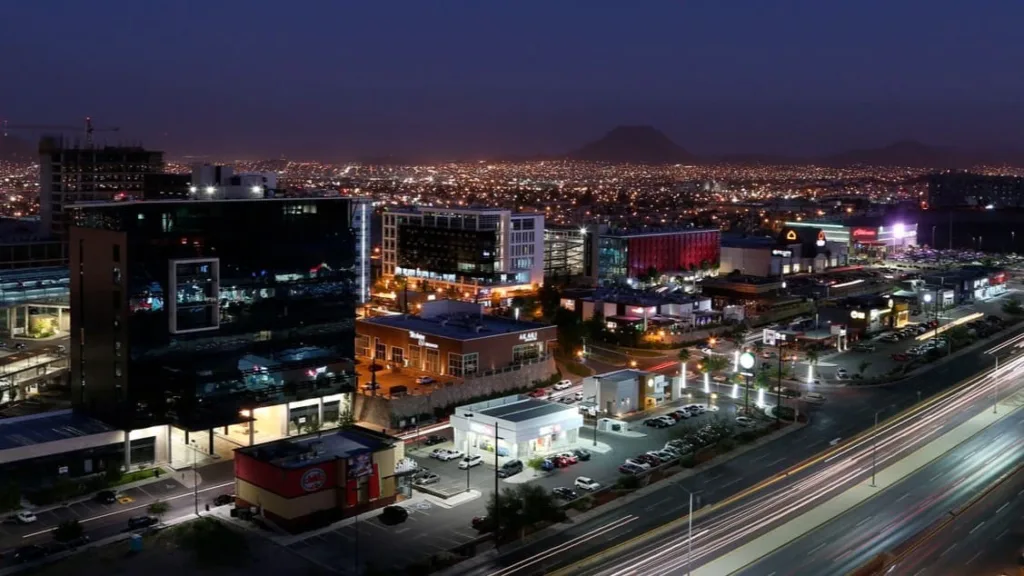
x: 633, y: 144
x: 13, y: 148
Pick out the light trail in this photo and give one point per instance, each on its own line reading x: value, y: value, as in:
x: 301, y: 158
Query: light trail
x: 845, y: 465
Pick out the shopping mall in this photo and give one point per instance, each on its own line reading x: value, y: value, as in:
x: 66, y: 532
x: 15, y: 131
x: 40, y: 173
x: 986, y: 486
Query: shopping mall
x: 867, y: 234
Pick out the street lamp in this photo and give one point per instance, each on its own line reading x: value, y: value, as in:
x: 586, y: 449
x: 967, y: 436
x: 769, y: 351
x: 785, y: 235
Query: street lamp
x: 515, y: 311
x: 689, y: 530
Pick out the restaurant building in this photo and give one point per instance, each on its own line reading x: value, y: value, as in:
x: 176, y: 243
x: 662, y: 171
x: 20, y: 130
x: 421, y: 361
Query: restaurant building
x: 305, y: 483
x: 516, y: 427
x: 450, y: 338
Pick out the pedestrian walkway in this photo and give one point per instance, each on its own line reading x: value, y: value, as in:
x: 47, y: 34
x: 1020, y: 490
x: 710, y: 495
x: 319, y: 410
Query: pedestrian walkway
x: 805, y: 523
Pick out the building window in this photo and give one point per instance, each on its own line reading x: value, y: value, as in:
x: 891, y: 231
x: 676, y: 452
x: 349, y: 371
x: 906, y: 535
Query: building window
x: 117, y: 275
x: 455, y: 364
x: 117, y: 370
x: 470, y: 363
x: 380, y: 349
x: 398, y: 355
x: 363, y: 346
x: 415, y: 361
x: 524, y: 352
x: 117, y: 253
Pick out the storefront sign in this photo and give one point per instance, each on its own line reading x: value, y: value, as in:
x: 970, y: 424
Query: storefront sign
x: 857, y: 315
x: 783, y: 253
x: 821, y: 238
x: 791, y: 236
x: 865, y: 234
x: 528, y: 337
x: 313, y: 479
x: 422, y: 339
x: 481, y: 429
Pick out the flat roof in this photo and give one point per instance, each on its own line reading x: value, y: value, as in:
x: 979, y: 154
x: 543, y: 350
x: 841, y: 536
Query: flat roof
x: 143, y: 202
x: 524, y: 410
x: 47, y: 427
x: 457, y: 327
x: 643, y: 233
x: 300, y: 452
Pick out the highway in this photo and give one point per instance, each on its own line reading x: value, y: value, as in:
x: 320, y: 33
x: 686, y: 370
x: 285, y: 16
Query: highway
x: 746, y: 497
x: 986, y: 538
x: 900, y: 512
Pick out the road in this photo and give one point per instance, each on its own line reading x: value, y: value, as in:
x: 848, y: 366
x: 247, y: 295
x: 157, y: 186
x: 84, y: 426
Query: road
x: 900, y: 512
x: 849, y: 411
x: 103, y: 520
x: 984, y: 539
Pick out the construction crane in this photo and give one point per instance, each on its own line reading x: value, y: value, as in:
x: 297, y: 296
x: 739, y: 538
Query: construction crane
x: 89, y: 128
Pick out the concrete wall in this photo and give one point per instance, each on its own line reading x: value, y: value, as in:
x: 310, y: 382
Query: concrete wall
x: 386, y: 412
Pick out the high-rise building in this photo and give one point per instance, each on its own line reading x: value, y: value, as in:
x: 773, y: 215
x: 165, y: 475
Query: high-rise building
x: 471, y: 251
x: 231, y: 317
x: 69, y: 174
x: 953, y: 189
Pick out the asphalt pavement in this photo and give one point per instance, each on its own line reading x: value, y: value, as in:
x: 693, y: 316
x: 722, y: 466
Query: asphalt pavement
x: 103, y: 520
x: 848, y: 411
x: 901, y: 511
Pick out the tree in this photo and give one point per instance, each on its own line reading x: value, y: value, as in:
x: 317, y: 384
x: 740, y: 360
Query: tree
x: 550, y: 300
x: 570, y: 331
x: 520, y: 507
x: 68, y: 530
x: 684, y: 355
x: 346, y: 419
x: 862, y: 367
x: 159, y: 508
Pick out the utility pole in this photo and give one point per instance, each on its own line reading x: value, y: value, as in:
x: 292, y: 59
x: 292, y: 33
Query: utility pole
x: 195, y: 479
x: 689, y: 536
x: 874, y: 448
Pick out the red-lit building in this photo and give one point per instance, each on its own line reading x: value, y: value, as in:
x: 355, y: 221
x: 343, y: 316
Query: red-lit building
x: 305, y: 483
x: 629, y: 254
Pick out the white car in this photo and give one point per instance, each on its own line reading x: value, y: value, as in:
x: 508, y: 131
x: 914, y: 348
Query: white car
x: 842, y: 374
x: 25, y: 517
x: 563, y: 385
x: 446, y: 455
x: 712, y: 408
x: 471, y: 461
x: 668, y: 420
x: 696, y: 408
x: 744, y: 421
x: 662, y: 455
x: 814, y: 398
x: 638, y: 464
x: 588, y: 484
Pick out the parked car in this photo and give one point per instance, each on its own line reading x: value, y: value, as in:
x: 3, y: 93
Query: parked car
x: 105, y: 497
x: 547, y: 465
x: 426, y: 479
x: 585, y: 483
x: 655, y: 423
x: 661, y: 455
x: 392, y: 515
x: 470, y: 461
x: 814, y: 398
x: 682, y: 414
x: 560, y: 461
x: 510, y: 468
x: 668, y: 420
x: 569, y: 456
x: 628, y: 468
x: 864, y: 347
x: 567, y: 400
x: 638, y: 463
x: 482, y: 524
x: 139, y: 522
x: 582, y: 454
x: 224, y: 500
x: 451, y: 455
x: 563, y: 493
x: 435, y: 439
x: 696, y: 408
x: 842, y: 374
x: 563, y: 385
x: 437, y: 452
x: 424, y: 380
x: 648, y: 459
x: 20, y: 346
x: 539, y: 393
x: 25, y: 517
x: 578, y: 396
x: 745, y: 421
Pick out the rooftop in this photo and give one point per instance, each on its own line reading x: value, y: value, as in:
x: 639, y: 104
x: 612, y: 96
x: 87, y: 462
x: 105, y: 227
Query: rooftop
x: 47, y: 427
x: 142, y: 202
x: 621, y: 375
x: 300, y: 452
x: 749, y: 241
x: 637, y: 233
x: 524, y: 410
x: 457, y: 326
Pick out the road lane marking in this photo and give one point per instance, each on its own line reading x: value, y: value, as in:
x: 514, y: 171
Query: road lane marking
x: 1002, y: 507
x: 861, y: 523
x: 122, y: 511
x: 973, y: 530
x: 973, y: 558
x: 948, y: 550
x: 816, y: 548
x: 657, y: 504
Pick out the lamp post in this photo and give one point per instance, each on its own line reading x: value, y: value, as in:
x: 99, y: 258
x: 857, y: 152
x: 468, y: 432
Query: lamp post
x: 689, y: 529
x: 195, y: 476
x: 874, y: 446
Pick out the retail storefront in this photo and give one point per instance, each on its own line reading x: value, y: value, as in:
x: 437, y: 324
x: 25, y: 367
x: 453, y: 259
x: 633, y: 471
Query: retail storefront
x: 517, y: 426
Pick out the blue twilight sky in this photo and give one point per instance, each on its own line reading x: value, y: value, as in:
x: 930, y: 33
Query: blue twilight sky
x: 335, y: 79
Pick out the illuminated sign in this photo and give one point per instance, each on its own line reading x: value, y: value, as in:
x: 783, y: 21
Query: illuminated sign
x: 528, y: 337
x: 864, y: 234
x: 313, y: 479
x: 481, y: 429
x: 422, y: 339
x: 746, y: 360
x: 857, y: 315
x: 821, y: 238
x: 783, y: 253
x: 791, y: 235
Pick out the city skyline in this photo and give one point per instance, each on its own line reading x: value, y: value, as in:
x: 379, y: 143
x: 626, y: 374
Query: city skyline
x: 459, y: 81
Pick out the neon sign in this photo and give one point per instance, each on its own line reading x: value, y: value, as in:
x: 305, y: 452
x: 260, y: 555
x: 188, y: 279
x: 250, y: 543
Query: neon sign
x: 528, y: 337
x: 865, y: 233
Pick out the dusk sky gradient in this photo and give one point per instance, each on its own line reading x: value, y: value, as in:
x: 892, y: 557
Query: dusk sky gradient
x: 340, y: 79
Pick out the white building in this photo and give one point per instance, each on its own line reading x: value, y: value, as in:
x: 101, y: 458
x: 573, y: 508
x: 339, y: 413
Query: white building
x: 214, y: 181
x: 517, y: 261
x: 521, y: 427
x: 625, y: 391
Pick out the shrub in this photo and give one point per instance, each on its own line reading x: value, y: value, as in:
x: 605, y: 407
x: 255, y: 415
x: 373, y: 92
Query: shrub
x: 629, y: 482
x: 68, y: 530
x: 536, y: 462
x: 725, y: 445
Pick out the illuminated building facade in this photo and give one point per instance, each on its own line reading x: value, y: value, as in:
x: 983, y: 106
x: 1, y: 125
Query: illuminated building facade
x: 631, y: 255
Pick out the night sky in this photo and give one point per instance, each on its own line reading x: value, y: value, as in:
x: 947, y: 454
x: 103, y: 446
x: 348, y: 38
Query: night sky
x: 338, y: 79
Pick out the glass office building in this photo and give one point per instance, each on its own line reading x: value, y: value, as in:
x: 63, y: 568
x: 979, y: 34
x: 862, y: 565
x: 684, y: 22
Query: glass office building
x: 200, y: 313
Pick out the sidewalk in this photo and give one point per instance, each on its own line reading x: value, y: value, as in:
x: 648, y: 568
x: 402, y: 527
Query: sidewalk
x: 163, y: 477
x: 805, y: 523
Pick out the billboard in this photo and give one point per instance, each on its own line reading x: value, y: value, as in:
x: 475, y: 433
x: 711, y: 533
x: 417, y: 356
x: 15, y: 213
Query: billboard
x: 360, y: 465
x: 864, y: 234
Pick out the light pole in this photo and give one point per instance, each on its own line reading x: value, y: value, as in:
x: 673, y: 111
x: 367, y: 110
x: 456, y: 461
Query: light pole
x: 195, y: 476
x: 874, y: 446
x: 689, y: 530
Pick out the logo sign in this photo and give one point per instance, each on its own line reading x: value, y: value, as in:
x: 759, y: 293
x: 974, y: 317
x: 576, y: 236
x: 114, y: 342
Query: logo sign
x: 865, y: 234
x: 421, y: 339
x: 783, y: 253
x: 548, y: 430
x: 528, y: 337
x: 746, y: 360
x: 857, y: 315
x: 313, y: 479
x: 791, y: 235
x: 821, y: 238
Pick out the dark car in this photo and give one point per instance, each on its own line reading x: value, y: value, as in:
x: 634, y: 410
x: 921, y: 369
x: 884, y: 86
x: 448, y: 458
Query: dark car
x: 393, y: 515
x: 20, y: 346
x: 29, y: 553
x: 482, y: 524
x: 582, y: 454
x: 563, y: 493
x: 510, y: 468
x: 137, y: 522
x: 224, y: 500
x: 106, y: 497
x: 434, y: 439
